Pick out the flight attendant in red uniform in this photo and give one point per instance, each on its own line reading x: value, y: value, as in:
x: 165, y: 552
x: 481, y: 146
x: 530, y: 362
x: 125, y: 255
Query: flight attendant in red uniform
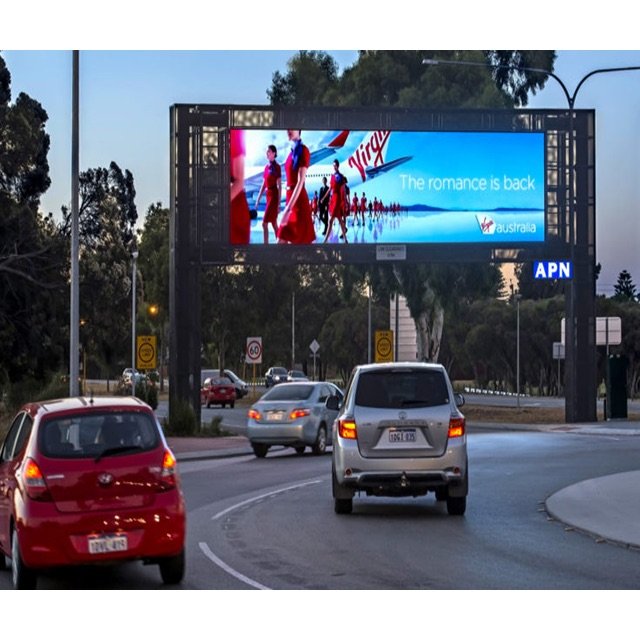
x: 296, y: 225
x: 240, y: 223
x: 272, y: 184
x: 337, y: 201
x: 354, y: 207
x: 363, y: 206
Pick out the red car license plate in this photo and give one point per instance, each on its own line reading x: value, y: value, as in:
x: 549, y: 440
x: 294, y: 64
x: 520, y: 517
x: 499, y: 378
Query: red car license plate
x: 107, y: 544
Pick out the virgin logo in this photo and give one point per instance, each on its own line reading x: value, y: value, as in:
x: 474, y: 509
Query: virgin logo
x: 370, y: 152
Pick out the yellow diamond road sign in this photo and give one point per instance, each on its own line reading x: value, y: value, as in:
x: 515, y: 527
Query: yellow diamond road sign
x: 145, y: 352
x: 384, y: 346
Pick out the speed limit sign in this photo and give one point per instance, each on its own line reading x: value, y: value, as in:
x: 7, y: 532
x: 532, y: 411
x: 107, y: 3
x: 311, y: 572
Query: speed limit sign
x: 254, y: 350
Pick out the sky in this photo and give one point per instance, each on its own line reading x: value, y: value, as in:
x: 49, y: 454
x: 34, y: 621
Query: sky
x: 125, y: 98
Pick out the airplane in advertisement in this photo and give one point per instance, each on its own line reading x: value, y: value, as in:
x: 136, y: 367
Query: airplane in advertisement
x: 367, y: 162
x: 254, y: 182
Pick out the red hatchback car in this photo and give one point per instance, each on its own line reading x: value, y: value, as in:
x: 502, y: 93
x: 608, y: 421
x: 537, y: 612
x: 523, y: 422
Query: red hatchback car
x: 86, y: 481
x: 218, y: 391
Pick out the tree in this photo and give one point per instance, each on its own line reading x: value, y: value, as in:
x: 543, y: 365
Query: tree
x: 153, y: 261
x: 107, y: 218
x: 400, y: 79
x: 31, y: 251
x: 624, y: 289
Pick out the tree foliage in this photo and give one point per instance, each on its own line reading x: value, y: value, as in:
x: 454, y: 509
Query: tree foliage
x: 107, y: 218
x: 401, y: 79
x: 624, y: 289
x: 31, y: 253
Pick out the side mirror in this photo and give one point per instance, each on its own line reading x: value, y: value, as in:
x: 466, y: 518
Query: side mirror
x: 332, y: 403
x: 459, y: 399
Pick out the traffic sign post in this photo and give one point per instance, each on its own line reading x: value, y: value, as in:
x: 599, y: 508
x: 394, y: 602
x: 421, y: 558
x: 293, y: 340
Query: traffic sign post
x: 314, y: 346
x: 146, y: 353
x: 254, y: 350
x: 253, y: 355
x: 384, y: 346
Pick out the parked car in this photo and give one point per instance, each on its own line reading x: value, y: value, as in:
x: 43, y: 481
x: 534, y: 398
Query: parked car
x: 274, y: 376
x: 89, y: 482
x: 294, y: 415
x: 400, y: 433
x: 218, y: 391
x: 242, y: 388
x: 296, y: 376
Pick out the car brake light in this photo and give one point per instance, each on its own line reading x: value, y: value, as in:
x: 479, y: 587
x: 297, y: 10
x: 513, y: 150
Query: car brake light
x: 456, y: 427
x: 169, y: 466
x: 347, y: 429
x: 254, y: 415
x: 299, y: 413
x: 34, y: 483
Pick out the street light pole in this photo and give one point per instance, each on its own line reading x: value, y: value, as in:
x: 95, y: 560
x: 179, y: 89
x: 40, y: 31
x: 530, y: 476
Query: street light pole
x: 74, y: 320
x: 134, y: 257
x: 573, y: 411
x: 517, y: 297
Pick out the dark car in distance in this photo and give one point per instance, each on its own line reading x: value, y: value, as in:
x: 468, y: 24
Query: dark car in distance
x: 275, y: 375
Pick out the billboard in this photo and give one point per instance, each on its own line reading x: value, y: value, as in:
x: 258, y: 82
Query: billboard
x: 386, y: 187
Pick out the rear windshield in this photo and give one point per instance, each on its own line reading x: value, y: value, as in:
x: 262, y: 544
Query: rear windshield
x: 279, y: 371
x: 402, y: 388
x: 289, y: 392
x: 89, y: 436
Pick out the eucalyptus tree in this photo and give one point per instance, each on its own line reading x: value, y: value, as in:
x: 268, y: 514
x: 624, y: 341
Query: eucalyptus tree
x: 400, y: 79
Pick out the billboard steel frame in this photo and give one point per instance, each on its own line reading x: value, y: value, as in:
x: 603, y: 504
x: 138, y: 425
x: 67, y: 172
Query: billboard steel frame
x: 199, y: 192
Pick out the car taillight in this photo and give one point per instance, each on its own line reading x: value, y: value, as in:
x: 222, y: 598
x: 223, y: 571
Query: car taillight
x: 347, y: 429
x: 34, y: 483
x: 254, y: 415
x: 169, y: 468
x: 299, y: 413
x: 456, y: 427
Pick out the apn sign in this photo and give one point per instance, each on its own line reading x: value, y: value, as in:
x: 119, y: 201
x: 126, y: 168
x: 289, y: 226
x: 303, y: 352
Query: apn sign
x: 552, y: 270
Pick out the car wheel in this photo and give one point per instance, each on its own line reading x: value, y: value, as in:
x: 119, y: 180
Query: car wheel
x: 232, y: 405
x: 260, y: 449
x: 208, y: 405
x: 172, y: 569
x: 456, y: 506
x: 299, y: 450
x: 320, y: 445
x: 341, y: 504
x: 223, y: 405
x: 22, y: 577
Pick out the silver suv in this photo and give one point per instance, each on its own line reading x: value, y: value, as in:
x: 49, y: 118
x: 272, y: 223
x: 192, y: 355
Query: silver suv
x: 400, y: 433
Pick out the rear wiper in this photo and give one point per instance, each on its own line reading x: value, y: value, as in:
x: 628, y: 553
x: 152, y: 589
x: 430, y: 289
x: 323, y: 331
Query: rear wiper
x: 404, y: 403
x: 113, y: 451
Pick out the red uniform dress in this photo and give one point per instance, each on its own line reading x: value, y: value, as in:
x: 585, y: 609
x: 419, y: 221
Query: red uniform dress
x: 354, y: 205
x: 298, y: 229
x: 272, y: 173
x: 240, y: 224
x: 336, y: 204
x: 363, y: 205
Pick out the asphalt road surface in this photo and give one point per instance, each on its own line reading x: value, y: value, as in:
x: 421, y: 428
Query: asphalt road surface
x: 269, y: 524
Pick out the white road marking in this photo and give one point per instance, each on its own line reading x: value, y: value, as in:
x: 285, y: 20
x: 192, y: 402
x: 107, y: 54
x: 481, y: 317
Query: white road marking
x: 204, y: 547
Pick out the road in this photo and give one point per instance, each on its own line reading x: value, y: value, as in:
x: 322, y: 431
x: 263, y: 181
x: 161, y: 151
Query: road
x: 269, y: 524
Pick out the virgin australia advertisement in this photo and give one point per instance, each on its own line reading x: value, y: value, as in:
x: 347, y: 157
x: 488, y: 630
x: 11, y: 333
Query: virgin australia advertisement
x: 397, y: 186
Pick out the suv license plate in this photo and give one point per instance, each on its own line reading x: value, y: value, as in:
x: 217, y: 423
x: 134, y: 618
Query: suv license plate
x: 108, y: 544
x: 404, y: 435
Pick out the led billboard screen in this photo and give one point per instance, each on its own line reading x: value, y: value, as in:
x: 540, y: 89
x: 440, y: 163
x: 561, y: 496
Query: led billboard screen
x: 398, y: 187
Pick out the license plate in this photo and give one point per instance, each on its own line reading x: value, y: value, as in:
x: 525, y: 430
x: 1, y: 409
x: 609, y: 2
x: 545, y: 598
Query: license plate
x: 402, y: 435
x: 107, y: 544
x: 276, y: 416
